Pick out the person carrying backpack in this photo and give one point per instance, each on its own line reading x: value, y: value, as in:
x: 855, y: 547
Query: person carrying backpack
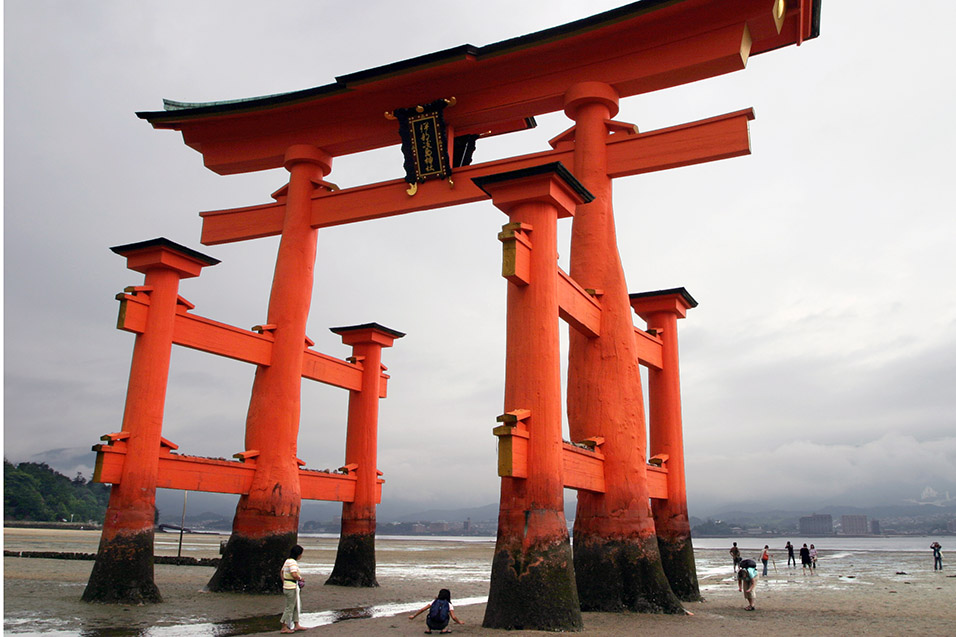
x: 439, y: 611
x: 747, y: 581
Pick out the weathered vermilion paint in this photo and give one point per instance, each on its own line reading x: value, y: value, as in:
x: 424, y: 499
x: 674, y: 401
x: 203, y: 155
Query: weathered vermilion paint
x: 123, y: 571
x: 266, y: 523
x: 638, y: 48
x: 532, y: 575
x: 635, y: 49
x: 616, y: 556
x: 661, y: 310
x: 355, y: 558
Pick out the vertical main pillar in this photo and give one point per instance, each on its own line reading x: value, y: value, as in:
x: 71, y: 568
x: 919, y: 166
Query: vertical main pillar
x: 661, y: 310
x: 266, y: 523
x: 532, y: 575
x: 616, y: 557
x: 355, y: 558
x: 123, y: 571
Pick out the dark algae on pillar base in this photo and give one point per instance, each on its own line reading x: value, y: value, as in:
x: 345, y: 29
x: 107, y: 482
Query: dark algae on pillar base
x: 252, y: 565
x: 534, y: 590
x: 123, y: 571
x: 354, y: 561
x: 677, y: 558
x: 618, y: 575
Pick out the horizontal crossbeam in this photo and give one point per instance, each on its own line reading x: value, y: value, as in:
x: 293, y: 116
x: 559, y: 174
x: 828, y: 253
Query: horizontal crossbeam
x: 578, y: 308
x: 205, y: 335
x: 583, y: 469
x: 214, y: 475
x: 707, y: 140
x: 649, y: 349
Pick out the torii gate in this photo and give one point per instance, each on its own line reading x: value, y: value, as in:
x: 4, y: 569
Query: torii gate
x: 584, y: 68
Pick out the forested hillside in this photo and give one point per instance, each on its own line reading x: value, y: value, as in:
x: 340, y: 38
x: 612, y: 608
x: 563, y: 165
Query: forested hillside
x: 33, y: 491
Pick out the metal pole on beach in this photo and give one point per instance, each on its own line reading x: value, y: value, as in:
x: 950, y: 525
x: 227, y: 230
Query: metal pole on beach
x: 182, y: 526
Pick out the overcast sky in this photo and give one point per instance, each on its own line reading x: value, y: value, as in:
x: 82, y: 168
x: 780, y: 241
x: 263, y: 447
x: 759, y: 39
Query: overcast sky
x: 819, y: 367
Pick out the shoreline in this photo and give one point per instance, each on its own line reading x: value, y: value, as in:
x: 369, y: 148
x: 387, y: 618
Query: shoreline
x: 852, y: 593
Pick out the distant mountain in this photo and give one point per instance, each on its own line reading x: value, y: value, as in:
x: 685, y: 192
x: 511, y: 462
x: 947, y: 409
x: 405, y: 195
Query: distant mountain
x: 488, y: 512
x: 73, y: 460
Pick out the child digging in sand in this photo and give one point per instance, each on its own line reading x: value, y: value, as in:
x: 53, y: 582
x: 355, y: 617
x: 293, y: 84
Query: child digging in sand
x: 439, y: 612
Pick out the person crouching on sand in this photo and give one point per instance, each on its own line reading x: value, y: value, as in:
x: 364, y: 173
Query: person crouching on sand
x: 292, y: 580
x: 438, y: 613
x: 747, y: 582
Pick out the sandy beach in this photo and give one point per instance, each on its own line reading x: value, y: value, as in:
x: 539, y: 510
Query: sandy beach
x: 850, y: 594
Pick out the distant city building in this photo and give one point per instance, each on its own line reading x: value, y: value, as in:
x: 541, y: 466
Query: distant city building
x: 875, y: 527
x: 854, y: 525
x: 816, y: 524
x: 951, y: 525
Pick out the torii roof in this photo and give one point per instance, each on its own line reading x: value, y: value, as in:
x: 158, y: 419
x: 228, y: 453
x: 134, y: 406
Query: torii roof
x: 637, y: 48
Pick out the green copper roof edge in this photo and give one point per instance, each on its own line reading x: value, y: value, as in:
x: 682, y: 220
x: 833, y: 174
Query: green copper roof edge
x: 176, y: 110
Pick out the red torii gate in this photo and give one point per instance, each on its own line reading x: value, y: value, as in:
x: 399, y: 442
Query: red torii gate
x: 584, y: 68
x: 137, y: 460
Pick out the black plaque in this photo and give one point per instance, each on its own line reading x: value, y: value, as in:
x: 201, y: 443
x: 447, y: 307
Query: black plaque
x: 424, y: 142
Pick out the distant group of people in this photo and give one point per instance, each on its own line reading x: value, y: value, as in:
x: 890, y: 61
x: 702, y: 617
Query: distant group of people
x: 440, y: 611
x: 808, y: 557
x: 746, y: 569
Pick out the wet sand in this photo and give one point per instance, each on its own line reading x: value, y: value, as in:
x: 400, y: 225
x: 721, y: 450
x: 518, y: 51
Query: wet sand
x: 42, y: 595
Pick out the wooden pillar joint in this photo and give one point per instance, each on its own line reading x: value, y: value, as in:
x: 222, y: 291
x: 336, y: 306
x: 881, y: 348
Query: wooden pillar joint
x: 516, y: 252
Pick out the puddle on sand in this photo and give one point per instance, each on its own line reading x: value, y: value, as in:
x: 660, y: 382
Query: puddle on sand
x: 244, y: 626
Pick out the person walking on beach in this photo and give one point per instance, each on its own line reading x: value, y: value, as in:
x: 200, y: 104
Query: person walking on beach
x: 765, y: 557
x: 439, y: 611
x: 805, y: 559
x: 747, y: 582
x: 813, y: 557
x: 937, y: 556
x: 292, y: 581
x: 735, y: 553
x: 790, y: 557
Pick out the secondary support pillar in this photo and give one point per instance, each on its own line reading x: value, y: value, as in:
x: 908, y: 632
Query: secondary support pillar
x: 532, y: 575
x: 355, y: 558
x: 123, y: 571
x: 266, y: 523
x: 616, y: 557
x: 661, y: 310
